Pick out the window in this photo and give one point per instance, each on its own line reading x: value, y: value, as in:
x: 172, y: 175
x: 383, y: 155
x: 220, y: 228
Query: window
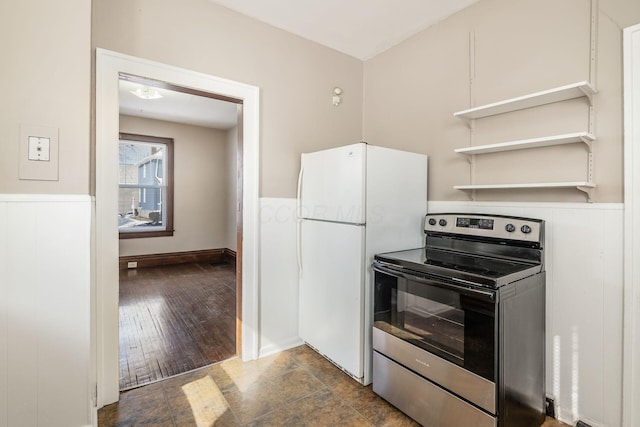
x: 145, y: 202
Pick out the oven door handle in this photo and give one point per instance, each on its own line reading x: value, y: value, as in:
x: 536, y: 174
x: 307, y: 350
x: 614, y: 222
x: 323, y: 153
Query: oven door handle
x: 476, y: 293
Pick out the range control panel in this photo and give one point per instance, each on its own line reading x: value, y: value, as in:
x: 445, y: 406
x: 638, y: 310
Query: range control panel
x: 489, y: 226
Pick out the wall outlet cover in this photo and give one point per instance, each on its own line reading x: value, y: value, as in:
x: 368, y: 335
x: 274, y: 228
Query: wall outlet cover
x: 550, y: 407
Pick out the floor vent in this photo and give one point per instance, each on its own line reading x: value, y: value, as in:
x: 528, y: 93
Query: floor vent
x: 582, y: 424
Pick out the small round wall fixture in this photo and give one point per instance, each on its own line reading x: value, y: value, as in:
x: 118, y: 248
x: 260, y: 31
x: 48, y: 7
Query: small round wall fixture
x: 336, y: 96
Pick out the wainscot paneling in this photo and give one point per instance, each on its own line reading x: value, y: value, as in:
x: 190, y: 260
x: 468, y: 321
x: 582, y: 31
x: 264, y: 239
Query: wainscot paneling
x: 45, y: 310
x: 278, y: 276
x: 583, y: 256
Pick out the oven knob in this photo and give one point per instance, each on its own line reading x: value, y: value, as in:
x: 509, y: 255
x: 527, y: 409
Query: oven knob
x: 510, y: 228
x: 442, y: 222
x: 525, y: 229
x: 432, y: 221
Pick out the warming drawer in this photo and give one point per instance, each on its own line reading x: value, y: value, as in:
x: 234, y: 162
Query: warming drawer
x: 423, y: 401
x: 460, y: 381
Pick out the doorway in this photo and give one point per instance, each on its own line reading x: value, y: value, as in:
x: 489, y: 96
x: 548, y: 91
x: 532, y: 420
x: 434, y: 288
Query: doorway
x: 109, y: 67
x: 178, y: 229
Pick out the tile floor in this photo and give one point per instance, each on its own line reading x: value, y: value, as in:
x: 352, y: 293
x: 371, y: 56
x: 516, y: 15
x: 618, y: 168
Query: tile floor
x: 293, y: 388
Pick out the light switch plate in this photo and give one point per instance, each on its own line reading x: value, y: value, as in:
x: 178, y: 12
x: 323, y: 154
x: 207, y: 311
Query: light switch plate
x: 38, y: 153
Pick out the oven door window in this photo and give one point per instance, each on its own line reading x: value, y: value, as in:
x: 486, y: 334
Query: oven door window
x: 439, y: 319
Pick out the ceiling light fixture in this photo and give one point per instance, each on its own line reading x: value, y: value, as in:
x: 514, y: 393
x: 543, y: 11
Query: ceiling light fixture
x: 145, y: 92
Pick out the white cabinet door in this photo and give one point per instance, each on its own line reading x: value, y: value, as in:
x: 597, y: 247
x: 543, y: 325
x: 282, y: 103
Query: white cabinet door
x: 332, y: 184
x: 331, y: 291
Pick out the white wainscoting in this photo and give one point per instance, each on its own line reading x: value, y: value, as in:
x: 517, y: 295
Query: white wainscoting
x: 631, y: 61
x: 583, y: 255
x: 45, y: 310
x: 278, y: 276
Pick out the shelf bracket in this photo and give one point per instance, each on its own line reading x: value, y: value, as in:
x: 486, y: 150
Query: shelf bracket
x: 470, y: 158
x: 471, y: 123
x: 589, y: 144
x: 588, y: 191
x: 588, y: 94
x: 471, y: 193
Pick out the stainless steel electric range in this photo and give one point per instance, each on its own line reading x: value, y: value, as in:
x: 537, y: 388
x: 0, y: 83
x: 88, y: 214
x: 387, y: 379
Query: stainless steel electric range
x: 459, y: 325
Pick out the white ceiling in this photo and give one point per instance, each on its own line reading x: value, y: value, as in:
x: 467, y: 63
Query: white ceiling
x: 360, y: 28
x: 178, y: 107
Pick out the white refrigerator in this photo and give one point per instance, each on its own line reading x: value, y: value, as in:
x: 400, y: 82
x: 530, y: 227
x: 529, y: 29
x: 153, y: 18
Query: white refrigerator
x: 353, y: 202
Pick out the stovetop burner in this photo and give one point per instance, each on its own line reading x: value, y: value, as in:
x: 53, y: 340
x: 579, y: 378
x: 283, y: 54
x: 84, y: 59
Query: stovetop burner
x: 474, y: 264
x: 476, y: 249
x: 481, y: 270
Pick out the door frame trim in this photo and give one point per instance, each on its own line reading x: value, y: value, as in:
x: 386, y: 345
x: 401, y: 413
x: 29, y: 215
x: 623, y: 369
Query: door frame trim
x: 104, y: 305
x: 631, y: 325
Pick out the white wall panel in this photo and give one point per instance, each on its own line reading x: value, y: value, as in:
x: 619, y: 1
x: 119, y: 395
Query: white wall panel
x: 4, y: 313
x: 45, y: 317
x: 577, y: 311
x: 613, y: 316
x: 278, y: 276
x: 22, y: 315
x: 631, y: 337
x: 583, y: 255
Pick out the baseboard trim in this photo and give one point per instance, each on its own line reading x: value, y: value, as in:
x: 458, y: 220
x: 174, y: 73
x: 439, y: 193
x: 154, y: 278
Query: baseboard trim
x: 154, y: 260
x: 271, y: 349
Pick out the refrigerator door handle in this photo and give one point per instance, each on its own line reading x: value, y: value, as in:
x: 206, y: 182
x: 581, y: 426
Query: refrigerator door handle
x: 299, y: 247
x: 299, y: 195
x: 299, y: 215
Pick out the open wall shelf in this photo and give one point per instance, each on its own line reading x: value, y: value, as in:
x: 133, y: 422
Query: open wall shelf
x: 546, y: 141
x: 526, y: 185
x: 583, y: 186
x: 562, y: 93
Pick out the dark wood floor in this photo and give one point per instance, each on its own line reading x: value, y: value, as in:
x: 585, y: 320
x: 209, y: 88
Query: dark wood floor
x: 174, y: 319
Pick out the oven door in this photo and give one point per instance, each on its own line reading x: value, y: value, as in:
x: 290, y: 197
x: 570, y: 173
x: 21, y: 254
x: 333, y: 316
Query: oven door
x: 443, y: 331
